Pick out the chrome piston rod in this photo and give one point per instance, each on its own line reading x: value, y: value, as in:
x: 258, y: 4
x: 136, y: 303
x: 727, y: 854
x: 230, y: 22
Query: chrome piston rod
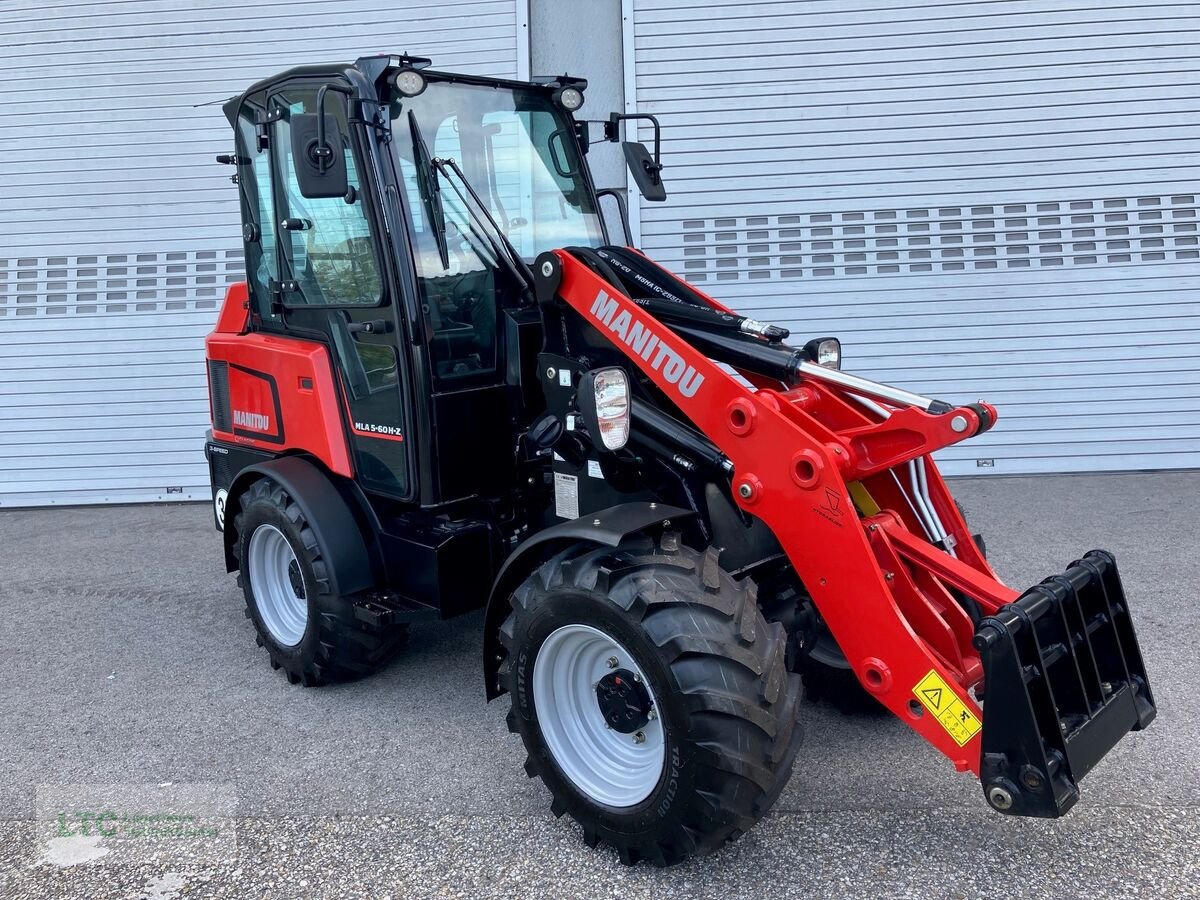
x: 870, y: 388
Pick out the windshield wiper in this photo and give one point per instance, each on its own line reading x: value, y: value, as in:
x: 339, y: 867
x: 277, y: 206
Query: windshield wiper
x: 431, y: 192
x: 501, y: 246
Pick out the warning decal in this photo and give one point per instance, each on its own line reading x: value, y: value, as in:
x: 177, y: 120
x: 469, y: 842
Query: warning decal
x: 937, y: 697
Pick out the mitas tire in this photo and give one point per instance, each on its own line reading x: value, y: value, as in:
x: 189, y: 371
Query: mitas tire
x: 714, y: 673
x: 312, y: 635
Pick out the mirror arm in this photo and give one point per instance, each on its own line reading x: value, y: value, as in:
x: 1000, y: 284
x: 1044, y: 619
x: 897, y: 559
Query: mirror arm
x: 323, y: 151
x: 612, y: 132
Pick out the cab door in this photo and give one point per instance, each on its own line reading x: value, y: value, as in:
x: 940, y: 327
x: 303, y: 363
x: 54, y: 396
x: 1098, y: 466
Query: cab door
x: 331, y: 282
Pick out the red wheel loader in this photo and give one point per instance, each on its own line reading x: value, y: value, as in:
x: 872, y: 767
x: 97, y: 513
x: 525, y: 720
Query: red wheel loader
x: 443, y: 387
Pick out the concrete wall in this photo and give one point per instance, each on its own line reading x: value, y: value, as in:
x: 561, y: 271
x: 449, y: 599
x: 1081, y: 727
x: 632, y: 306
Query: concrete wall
x: 583, y: 38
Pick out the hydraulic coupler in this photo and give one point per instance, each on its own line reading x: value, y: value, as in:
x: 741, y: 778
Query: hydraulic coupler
x: 1063, y: 683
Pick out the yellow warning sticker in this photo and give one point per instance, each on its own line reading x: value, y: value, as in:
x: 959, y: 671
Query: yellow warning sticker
x: 937, y: 697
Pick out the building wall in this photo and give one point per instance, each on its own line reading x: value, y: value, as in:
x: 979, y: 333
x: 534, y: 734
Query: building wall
x: 584, y: 38
x: 119, y: 233
x: 984, y: 199
x: 987, y: 199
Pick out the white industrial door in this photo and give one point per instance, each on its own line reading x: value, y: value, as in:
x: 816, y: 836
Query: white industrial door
x: 119, y: 232
x: 983, y: 199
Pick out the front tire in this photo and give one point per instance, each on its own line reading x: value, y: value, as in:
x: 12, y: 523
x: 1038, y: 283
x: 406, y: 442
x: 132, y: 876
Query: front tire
x: 651, y: 695
x: 307, y: 630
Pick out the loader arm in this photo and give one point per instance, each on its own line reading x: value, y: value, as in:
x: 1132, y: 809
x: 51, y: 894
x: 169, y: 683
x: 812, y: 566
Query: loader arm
x: 833, y: 465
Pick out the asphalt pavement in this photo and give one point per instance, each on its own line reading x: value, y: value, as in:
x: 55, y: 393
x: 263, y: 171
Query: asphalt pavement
x: 126, y: 660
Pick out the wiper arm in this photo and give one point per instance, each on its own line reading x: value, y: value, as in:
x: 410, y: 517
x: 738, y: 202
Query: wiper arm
x: 431, y: 192
x: 494, y: 234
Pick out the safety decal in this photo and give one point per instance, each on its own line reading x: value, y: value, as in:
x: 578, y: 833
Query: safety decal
x: 937, y: 697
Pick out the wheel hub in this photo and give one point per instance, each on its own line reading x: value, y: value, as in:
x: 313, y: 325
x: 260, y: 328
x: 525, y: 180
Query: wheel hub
x: 624, y: 701
x: 296, y: 579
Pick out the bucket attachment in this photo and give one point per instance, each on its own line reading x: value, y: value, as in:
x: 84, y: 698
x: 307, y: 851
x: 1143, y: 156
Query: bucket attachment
x: 1064, y: 682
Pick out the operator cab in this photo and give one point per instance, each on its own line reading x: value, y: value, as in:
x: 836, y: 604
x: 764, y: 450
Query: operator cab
x: 391, y: 213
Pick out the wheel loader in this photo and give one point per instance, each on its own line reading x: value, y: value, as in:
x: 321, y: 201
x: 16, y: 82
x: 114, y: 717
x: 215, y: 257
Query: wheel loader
x: 445, y: 387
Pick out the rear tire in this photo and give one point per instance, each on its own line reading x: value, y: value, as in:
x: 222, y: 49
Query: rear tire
x: 720, y: 747
x: 307, y: 630
x: 815, y: 656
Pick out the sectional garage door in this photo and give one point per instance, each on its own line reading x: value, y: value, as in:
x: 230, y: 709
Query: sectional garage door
x: 119, y: 232
x: 986, y: 199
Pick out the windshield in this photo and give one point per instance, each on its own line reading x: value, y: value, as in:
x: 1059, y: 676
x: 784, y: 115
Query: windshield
x: 516, y: 149
x: 516, y: 153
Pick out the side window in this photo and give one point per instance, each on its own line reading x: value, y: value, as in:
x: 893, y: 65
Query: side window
x: 254, y: 176
x: 330, y: 254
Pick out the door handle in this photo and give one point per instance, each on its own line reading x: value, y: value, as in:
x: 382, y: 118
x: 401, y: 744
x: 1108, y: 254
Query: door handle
x: 372, y: 326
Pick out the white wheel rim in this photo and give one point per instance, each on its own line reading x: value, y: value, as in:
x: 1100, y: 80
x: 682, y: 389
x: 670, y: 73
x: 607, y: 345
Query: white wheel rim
x: 277, y: 585
x: 610, y: 767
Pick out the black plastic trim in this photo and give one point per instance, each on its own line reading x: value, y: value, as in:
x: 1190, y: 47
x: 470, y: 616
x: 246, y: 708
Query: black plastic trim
x: 329, y: 516
x: 985, y: 418
x: 277, y: 435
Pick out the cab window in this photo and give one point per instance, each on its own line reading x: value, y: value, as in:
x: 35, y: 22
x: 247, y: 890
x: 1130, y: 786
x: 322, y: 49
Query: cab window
x: 326, y: 241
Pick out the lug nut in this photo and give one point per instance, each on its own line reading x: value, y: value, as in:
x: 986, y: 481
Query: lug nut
x: 652, y: 715
x: 640, y: 737
x: 637, y: 677
x: 612, y: 662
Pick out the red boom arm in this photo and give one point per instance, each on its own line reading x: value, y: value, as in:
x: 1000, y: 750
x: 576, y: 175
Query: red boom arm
x: 883, y: 591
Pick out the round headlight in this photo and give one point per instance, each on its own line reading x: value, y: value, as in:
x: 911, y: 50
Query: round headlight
x: 409, y: 82
x: 569, y: 98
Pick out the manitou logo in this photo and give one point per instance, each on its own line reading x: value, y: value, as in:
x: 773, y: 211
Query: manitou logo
x: 646, y: 344
x: 251, y: 420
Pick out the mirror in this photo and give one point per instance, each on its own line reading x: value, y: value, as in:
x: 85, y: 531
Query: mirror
x: 318, y: 156
x: 646, y: 172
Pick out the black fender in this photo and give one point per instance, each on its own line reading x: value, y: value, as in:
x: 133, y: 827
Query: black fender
x: 608, y: 527
x: 325, y: 509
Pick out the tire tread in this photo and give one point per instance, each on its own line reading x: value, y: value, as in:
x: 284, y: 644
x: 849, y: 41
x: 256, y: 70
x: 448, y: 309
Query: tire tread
x: 711, y: 635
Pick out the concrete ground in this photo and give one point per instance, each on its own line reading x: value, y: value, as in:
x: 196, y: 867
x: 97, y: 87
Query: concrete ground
x: 125, y: 659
